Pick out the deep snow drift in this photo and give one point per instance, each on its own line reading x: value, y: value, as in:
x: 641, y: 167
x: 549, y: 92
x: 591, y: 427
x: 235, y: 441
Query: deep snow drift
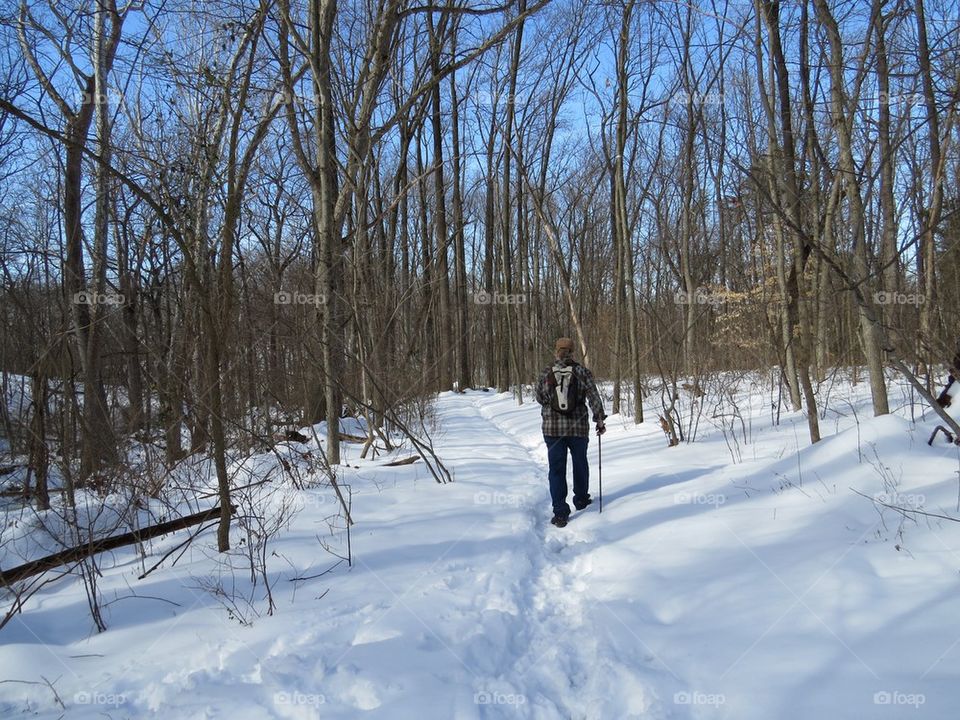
x: 733, y: 577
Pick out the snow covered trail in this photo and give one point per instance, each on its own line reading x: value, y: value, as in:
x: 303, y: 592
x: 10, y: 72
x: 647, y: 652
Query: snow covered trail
x: 568, y: 664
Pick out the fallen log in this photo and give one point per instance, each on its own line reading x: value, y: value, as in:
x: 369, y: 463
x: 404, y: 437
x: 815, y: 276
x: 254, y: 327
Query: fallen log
x: 405, y: 461
x: 79, y: 552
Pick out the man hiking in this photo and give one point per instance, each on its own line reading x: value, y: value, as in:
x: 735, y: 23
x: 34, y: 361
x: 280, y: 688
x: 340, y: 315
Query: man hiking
x: 563, y: 391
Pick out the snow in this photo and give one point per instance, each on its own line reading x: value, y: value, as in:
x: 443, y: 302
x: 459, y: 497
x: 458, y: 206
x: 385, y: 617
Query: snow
x: 726, y: 578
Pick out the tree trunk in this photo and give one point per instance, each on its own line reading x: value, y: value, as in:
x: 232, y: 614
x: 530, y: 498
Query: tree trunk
x: 622, y: 235
x: 868, y: 332
x: 927, y: 265
x: 39, y: 455
x: 441, y: 232
x: 464, y: 374
x: 788, y: 201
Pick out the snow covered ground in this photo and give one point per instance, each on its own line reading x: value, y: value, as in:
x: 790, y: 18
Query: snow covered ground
x: 728, y: 578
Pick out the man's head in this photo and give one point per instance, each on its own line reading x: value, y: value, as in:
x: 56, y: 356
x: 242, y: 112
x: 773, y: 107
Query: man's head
x: 564, y: 348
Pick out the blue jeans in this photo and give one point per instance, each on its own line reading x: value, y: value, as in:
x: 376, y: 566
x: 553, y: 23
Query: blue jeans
x: 557, y: 455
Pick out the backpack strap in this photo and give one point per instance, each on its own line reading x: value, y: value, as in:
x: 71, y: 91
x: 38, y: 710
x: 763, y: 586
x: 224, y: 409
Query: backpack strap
x: 565, y: 397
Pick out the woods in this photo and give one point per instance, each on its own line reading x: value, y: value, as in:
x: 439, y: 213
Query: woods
x: 225, y: 219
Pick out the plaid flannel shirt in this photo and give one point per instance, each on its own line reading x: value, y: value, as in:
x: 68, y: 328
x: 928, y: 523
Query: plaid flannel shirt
x: 576, y: 424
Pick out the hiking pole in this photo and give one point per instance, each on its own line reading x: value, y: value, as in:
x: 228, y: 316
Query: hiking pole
x: 600, y: 470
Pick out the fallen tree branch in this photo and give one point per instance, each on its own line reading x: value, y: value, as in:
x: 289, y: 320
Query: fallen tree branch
x: 947, y: 433
x: 79, y: 552
x: 405, y: 461
x: 903, y: 510
x: 312, y: 577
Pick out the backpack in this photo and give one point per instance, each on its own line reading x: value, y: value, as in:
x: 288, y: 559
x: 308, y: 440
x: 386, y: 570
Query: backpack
x: 566, y: 395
